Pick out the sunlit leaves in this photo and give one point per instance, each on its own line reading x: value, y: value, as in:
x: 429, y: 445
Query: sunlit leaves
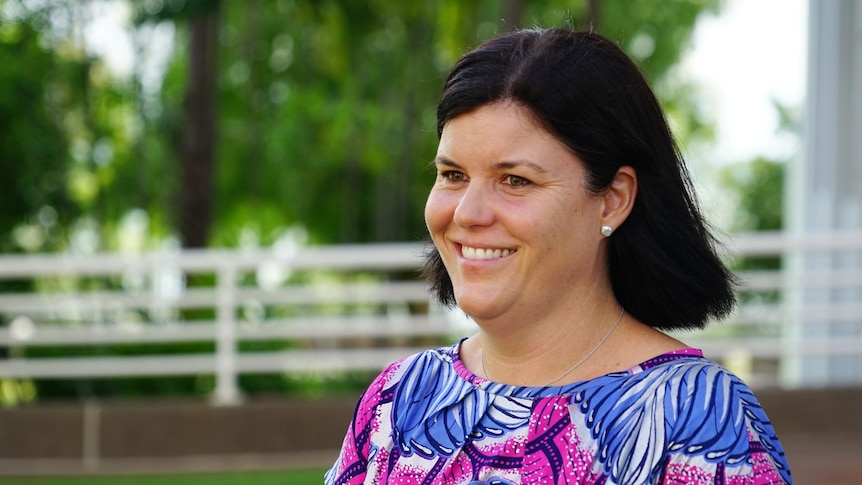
x: 325, y: 109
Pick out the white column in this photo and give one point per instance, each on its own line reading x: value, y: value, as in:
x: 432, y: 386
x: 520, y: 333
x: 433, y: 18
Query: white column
x: 825, y: 190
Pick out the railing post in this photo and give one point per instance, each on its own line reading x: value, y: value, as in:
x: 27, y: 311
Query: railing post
x: 793, y: 274
x: 226, y: 391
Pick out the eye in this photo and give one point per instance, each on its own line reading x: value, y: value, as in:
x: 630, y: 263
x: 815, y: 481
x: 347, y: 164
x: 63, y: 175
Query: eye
x: 515, y: 181
x: 453, y: 176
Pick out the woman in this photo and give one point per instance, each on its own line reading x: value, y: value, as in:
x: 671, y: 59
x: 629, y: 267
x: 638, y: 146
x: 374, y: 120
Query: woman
x: 564, y: 225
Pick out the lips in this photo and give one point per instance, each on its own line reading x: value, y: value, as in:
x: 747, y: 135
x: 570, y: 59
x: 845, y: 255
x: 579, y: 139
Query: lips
x: 484, y: 253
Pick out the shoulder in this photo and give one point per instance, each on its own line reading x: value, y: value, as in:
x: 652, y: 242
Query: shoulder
x: 710, y: 412
x: 690, y: 380
x: 690, y: 406
x: 680, y: 368
x: 671, y: 378
x: 714, y: 417
x: 678, y: 394
x: 690, y: 384
x: 411, y: 369
x: 415, y: 396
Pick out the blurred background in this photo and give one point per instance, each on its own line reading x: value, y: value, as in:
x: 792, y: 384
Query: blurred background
x: 211, y: 216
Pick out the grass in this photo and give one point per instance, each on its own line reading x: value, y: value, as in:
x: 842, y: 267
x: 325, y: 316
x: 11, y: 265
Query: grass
x: 305, y: 477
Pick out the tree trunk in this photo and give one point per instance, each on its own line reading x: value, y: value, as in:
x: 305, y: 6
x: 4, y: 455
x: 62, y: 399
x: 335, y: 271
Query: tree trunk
x: 198, y: 148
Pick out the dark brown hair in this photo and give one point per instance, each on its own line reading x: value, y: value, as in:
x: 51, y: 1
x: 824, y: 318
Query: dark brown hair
x: 587, y: 92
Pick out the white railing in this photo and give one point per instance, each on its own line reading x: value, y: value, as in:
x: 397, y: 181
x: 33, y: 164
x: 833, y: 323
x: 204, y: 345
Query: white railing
x: 811, y: 326
x: 331, y: 295
x: 347, y: 308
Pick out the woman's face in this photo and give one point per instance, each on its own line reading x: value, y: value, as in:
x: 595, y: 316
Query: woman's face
x: 511, y: 215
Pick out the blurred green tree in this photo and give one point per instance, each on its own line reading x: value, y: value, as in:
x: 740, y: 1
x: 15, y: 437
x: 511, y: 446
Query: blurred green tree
x: 37, y: 86
x: 325, y: 109
x: 756, y: 189
x: 758, y: 186
x: 282, y: 113
x: 67, y: 130
x: 269, y: 114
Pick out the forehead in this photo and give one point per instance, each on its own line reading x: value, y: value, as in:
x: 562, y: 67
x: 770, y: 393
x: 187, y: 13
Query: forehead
x: 516, y: 116
x: 500, y: 131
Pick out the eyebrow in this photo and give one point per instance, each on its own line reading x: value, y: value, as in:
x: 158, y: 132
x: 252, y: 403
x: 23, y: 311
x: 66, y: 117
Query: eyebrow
x: 500, y: 165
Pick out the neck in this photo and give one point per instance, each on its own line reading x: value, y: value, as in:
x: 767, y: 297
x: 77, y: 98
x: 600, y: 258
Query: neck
x: 546, y: 350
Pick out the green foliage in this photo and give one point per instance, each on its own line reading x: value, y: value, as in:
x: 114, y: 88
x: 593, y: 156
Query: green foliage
x: 325, y: 124
x: 654, y: 32
x: 69, y: 132
x: 756, y: 189
x: 37, y: 87
x: 759, y: 188
x: 326, y: 115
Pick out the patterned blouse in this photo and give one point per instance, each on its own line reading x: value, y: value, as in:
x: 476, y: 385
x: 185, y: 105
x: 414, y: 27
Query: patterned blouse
x: 676, y: 419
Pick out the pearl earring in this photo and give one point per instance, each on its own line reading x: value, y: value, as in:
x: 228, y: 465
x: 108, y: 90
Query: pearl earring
x: 607, y: 231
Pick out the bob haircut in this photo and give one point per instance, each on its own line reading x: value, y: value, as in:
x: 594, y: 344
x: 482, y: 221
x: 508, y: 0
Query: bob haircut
x: 583, y: 89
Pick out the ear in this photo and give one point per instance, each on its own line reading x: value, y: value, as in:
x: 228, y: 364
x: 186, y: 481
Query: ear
x: 619, y: 198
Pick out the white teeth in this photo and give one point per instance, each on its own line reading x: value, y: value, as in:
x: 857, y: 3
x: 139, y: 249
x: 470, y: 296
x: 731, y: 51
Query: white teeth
x: 479, y: 253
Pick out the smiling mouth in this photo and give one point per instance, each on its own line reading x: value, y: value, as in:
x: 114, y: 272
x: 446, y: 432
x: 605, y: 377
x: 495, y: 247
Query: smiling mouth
x: 482, y: 253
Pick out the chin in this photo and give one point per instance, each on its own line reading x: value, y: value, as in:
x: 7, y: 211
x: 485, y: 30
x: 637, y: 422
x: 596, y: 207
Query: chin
x: 478, y: 307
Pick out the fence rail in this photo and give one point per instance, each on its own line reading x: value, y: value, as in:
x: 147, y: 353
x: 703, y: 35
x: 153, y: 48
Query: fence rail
x: 357, y: 307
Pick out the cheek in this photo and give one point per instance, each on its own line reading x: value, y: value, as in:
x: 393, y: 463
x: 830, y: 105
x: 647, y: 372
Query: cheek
x: 574, y: 222
x: 439, y: 209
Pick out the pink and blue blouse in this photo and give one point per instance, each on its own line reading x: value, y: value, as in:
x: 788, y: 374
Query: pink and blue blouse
x: 676, y: 419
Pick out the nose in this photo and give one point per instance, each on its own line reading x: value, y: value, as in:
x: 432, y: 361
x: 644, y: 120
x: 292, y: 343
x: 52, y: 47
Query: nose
x: 475, y: 208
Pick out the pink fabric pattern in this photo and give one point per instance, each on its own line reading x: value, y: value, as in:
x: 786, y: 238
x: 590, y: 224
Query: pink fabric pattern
x: 678, y: 418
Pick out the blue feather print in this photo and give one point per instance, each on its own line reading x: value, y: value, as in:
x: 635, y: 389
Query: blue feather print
x: 695, y: 407
x: 435, y: 412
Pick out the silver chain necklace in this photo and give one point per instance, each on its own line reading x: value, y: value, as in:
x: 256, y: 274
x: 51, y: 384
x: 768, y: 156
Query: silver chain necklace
x: 572, y: 368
